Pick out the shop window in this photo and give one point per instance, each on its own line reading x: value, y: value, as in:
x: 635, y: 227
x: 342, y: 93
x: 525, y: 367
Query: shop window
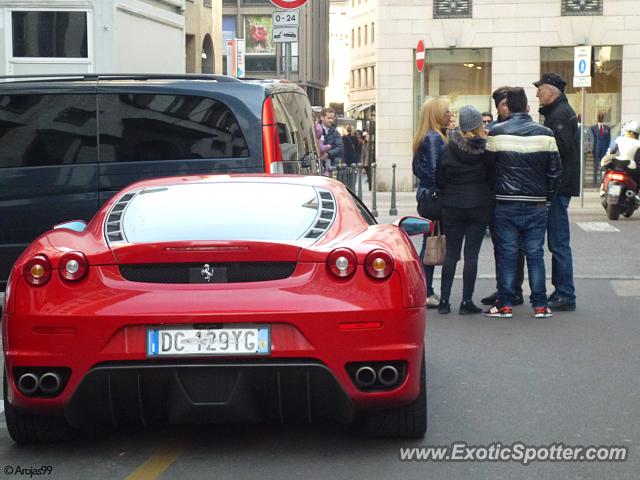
x: 581, y: 7
x: 462, y: 75
x: 452, y: 9
x: 605, y: 95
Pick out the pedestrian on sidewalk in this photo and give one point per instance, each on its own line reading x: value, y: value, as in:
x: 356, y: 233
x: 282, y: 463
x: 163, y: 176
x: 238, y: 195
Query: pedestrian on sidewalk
x: 527, y: 173
x: 428, y: 143
x: 499, y: 96
x: 562, y: 120
x: 463, y: 179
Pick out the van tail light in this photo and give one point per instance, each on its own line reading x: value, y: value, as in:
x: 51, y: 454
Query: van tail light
x: 379, y: 264
x: 73, y: 266
x: 37, y: 270
x: 270, y: 139
x: 342, y: 262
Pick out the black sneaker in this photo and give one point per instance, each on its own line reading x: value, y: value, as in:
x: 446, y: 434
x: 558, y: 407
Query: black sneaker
x: 517, y: 300
x: 562, y: 304
x: 490, y: 300
x: 468, y: 308
x: 444, y: 307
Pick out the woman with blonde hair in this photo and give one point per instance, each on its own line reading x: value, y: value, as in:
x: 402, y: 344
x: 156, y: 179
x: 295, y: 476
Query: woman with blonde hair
x: 463, y: 178
x: 428, y: 143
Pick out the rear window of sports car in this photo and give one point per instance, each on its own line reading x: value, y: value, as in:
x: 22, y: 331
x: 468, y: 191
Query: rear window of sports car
x: 225, y: 211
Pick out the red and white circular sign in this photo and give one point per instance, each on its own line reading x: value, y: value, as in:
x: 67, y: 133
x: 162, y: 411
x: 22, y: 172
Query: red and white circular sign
x: 420, y: 56
x: 288, y: 4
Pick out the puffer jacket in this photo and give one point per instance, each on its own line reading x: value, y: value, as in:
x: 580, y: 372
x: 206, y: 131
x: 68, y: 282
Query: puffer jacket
x: 332, y: 137
x: 425, y: 160
x: 562, y: 120
x: 462, y: 174
x: 526, y: 160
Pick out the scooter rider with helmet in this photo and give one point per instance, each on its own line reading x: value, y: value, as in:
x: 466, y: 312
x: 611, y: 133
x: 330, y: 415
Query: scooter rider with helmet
x: 626, y: 147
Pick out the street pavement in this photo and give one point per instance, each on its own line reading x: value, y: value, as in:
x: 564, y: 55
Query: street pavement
x: 572, y: 378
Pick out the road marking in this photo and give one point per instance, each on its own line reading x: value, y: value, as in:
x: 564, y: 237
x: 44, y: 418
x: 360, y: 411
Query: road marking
x: 597, y: 227
x: 626, y: 288
x: 159, y: 461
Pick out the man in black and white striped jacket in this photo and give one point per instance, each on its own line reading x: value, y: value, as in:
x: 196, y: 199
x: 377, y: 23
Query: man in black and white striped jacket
x: 527, y: 168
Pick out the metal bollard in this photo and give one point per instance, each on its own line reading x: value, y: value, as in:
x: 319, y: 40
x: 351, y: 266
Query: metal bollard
x: 359, y: 173
x: 340, y: 171
x: 393, y: 210
x: 374, y: 208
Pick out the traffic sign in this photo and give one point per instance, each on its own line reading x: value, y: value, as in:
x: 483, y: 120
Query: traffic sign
x: 582, y: 61
x: 420, y: 56
x: 284, y: 34
x: 289, y: 4
x: 284, y: 18
x: 581, y: 82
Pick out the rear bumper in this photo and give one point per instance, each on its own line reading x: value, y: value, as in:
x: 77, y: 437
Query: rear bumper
x: 205, y: 392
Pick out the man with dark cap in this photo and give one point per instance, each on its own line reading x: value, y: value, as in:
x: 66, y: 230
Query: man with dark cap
x: 562, y: 120
x: 499, y: 96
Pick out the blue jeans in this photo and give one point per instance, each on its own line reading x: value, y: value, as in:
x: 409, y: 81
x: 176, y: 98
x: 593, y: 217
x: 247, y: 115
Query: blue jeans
x: 559, y: 241
x: 521, y: 224
x: 428, y: 269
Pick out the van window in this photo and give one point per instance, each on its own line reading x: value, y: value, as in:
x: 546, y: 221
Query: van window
x: 42, y: 130
x: 139, y: 127
x: 298, y: 114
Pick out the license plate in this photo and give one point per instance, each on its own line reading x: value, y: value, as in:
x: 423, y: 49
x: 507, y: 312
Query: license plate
x: 614, y: 189
x: 212, y: 341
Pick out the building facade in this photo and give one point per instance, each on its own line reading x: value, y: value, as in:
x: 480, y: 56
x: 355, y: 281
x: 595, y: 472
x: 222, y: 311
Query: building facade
x: 475, y: 46
x: 337, y: 92
x: 203, y: 36
x: 264, y: 58
x: 84, y: 36
x: 362, y: 64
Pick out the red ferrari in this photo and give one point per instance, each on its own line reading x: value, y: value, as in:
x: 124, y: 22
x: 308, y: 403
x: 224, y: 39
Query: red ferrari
x: 226, y: 298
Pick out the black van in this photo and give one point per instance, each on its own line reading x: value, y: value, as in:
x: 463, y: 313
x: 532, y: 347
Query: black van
x: 68, y: 143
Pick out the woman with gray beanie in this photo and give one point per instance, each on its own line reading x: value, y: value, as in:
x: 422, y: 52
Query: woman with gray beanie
x: 463, y: 179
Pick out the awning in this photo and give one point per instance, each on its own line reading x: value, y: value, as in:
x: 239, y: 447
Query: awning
x: 364, y: 107
x: 352, y: 107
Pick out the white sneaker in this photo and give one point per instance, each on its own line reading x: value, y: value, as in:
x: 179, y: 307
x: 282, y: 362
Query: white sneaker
x: 433, y: 301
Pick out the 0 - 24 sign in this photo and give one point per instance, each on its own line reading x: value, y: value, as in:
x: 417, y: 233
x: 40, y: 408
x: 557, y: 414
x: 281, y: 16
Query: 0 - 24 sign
x: 285, y: 18
x: 289, y: 4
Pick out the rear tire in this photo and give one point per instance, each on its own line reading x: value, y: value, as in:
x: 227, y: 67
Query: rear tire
x: 26, y: 428
x: 404, y: 422
x: 613, y: 212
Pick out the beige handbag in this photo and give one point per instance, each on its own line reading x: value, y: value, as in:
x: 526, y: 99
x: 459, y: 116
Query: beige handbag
x: 436, y: 248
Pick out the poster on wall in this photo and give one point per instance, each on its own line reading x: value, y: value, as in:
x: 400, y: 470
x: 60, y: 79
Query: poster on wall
x: 257, y: 34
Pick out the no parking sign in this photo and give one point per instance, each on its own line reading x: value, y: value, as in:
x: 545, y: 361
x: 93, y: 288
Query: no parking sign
x: 288, y: 4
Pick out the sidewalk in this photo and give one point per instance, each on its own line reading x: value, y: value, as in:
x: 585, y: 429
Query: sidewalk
x: 406, y: 204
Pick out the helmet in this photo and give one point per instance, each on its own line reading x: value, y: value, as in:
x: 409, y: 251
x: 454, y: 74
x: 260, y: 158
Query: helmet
x: 632, y: 126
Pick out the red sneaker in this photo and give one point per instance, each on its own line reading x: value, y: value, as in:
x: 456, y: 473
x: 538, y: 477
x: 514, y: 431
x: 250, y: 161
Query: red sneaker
x: 502, y: 312
x: 542, y: 312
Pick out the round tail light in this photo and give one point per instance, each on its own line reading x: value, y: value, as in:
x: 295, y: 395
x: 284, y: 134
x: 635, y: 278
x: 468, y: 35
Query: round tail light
x: 342, y: 262
x: 379, y: 264
x: 73, y: 266
x: 37, y: 270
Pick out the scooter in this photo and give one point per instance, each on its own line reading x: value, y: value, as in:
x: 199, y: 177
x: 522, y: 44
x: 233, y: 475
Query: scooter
x: 619, y: 190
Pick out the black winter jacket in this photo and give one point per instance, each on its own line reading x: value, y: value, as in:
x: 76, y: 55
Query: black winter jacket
x: 462, y: 174
x: 332, y: 137
x: 526, y: 160
x: 562, y: 120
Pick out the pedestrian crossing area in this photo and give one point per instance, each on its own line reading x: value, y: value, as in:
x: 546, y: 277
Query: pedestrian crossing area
x: 597, y: 227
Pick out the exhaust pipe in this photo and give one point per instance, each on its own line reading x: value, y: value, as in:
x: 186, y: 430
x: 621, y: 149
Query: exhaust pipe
x: 28, y: 383
x: 388, y: 375
x: 365, y: 376
x: 50, y: 383
x: 630, y: 193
